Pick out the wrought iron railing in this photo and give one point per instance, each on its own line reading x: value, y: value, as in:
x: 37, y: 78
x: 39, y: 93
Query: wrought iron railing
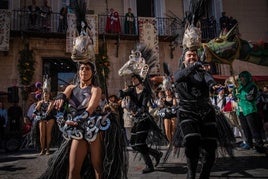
x: 53, y: 23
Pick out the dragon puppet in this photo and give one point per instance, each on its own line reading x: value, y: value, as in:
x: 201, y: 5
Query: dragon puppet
x: 229, y: 46
x: 223, y: 49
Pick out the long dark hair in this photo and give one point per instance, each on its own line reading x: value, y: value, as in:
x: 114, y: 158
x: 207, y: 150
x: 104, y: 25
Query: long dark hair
x: 94, y: 78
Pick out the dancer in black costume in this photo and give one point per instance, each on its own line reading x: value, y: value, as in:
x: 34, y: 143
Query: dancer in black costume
x: 141, y: 61
x: 140, y: 96
x: 199, y: 129
x: 196, y: 116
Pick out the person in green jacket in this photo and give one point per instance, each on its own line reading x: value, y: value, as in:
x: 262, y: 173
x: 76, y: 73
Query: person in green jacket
x: 251, y: 123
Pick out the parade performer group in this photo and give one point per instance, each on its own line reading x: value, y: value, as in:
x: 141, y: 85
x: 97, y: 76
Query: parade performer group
x: 95, y: 145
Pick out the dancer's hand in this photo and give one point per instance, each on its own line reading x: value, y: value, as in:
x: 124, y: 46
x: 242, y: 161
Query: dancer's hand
x: 58, y: 103
x: 71, y: 123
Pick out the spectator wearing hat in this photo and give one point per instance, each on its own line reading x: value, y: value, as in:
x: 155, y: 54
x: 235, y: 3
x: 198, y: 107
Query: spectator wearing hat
x: 251, y: 123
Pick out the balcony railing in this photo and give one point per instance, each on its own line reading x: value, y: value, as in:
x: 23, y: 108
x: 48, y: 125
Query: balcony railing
x: 167, y: 27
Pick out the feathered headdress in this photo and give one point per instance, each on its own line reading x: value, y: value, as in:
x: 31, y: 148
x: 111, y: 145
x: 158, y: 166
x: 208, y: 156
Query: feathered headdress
x: 192, y: 35
x: 141, y: 61
x: 167, y: 81
x: 83, y: 49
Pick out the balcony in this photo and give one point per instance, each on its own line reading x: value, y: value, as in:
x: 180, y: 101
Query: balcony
x: 169, y: 29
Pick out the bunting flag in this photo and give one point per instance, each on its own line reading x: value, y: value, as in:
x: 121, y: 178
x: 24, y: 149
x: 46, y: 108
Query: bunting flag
x: 148, y: 36
x: 72, y: 32
x: 5, y: 19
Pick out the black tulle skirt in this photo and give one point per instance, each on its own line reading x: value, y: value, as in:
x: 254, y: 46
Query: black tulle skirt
x: 225, y: 136
x: 115, y: 163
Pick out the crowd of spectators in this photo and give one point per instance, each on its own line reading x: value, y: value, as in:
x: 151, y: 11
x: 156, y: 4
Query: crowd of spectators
x: 227, y: 22
x: 40, y: 17
x: 245, y: 108
x: 211, y: 28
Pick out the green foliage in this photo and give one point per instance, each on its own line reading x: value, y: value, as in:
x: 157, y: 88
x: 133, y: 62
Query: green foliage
x: 102, y: 65
x: 26, y: 68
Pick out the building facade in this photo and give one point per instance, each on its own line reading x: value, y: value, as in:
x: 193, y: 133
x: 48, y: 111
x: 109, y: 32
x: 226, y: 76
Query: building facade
x: 49, y: 46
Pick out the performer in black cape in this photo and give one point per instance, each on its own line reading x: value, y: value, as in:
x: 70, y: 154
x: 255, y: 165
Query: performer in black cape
x: 145, y: 131
x: 143, y: 122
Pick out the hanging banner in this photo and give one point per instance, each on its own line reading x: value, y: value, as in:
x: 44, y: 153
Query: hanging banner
x: 148, y: 35
x: 5, y: 19
x: 72, y: 32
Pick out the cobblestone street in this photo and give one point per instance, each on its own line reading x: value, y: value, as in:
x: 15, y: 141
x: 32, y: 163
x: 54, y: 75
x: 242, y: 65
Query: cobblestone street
x: 27, y: 164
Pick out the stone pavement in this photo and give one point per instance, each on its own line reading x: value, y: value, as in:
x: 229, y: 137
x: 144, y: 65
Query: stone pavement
x: 27, y: 164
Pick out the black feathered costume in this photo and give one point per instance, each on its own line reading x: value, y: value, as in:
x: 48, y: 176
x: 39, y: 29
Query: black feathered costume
x: 145, y: 129
x: 199, y: 129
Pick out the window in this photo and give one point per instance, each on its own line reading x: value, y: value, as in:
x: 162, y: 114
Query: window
x: 4, y: 4
x: 145, y: 8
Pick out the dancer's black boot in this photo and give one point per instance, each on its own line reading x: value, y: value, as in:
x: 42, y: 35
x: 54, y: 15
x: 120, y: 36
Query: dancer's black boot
x: 156, y: 154
x: 191, y: 165
x: 207, y: 164
x: 149, y: 165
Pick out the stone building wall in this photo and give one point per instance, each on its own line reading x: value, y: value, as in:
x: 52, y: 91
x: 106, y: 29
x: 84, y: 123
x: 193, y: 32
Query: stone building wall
x: 55, y: 48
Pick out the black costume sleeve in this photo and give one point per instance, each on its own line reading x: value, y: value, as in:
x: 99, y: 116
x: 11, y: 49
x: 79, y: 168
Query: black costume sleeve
x: 145, y: 101
x: 125, y: 93
x: 181, y: 75
x: 209, y: 80
x: 252, y: 94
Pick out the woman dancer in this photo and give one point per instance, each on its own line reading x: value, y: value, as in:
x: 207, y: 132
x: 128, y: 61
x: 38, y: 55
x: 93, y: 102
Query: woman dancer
x: 92, y: 140
x: 46, y: 122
